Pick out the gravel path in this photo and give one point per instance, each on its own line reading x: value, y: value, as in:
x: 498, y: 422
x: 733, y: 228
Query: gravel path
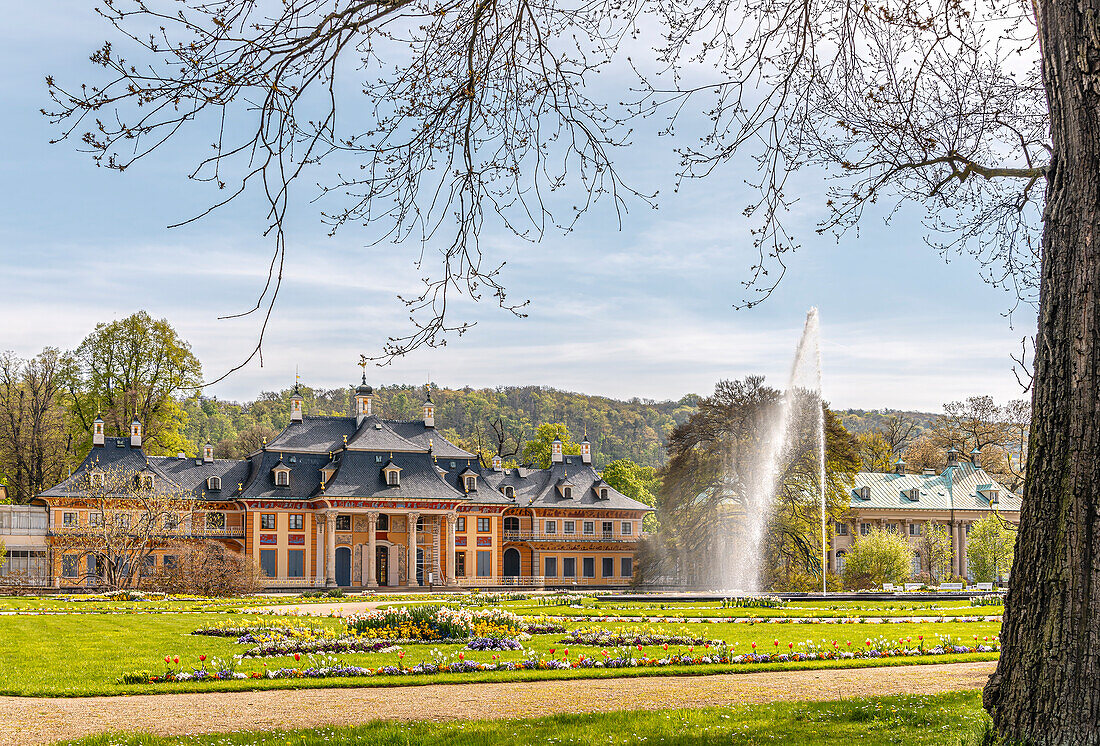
x: 28, y: 722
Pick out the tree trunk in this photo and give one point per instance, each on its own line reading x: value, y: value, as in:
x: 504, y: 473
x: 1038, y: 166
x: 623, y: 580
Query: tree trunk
x: 1046, y: 689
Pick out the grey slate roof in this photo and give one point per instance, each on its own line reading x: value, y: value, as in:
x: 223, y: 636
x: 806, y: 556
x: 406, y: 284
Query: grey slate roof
x: 191, y: 474
x: 314, y: 435
x: 360, y: 475
x: 375, y: 434
x: 305, y: 474
x: 539, y: 487
x: 957, y: 487
x: 416, y: 432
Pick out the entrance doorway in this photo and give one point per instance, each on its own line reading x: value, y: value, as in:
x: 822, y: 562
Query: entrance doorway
x: 420, y: 566
x: 343, y: 566
x: 382, y: 565
x: 511, y: 562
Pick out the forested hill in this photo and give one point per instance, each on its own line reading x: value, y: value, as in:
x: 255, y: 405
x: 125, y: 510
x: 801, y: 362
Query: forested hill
x: 636, y: 429
x: 865, y: 420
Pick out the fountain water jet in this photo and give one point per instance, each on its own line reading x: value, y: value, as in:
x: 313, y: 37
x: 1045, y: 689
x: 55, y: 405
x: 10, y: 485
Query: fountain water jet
x: 741, y: 563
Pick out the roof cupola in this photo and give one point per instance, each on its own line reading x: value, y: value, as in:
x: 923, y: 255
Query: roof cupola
x: 98, y: 438
x: 135, y: 433
x: 363, y: 396
x: 207, y: 453
x: 976, y: 457
x: 952, y: 456
x: 586, y: 449
x: 429, y: 411
x: 555, y: 451
x: 296, y: 404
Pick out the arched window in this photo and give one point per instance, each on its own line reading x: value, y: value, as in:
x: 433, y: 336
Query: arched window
x: 383, y: 522
x: 603, y: 493
x: 567, y: 492
x: 95, y: 480
x: 214, y: 483
x: 511, y: 523
x: 509, y: 491
x: 471, y: 484
x: 282, y: 479
x: 393, y: 478
x: 146, y: 481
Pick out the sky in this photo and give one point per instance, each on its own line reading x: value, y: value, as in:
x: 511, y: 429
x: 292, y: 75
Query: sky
x: 646, y: 309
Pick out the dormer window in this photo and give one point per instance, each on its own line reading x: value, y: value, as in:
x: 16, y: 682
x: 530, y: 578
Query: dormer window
x: 391, y: 472
x: 865, y: 493
x: 567, y: 492
x: 214, y: 483
x: 509, y: 491
x: 603, y: 493
x: 145, y: 481
x: 994, y: 496
x: 95, y: 480
x: 913, y: 494
x: 282, y: 476
x: 471, y: 484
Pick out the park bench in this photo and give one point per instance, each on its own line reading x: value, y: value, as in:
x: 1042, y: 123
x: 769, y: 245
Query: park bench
x: 951, y: 587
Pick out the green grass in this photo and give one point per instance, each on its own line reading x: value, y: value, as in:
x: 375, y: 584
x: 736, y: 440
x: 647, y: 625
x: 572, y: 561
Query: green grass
x: 609, y: 606
x: 81, y: 655
x: 911, y: 719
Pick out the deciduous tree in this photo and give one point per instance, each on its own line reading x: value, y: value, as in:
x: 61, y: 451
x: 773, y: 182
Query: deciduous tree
x: 538, y: 450
x: 935, y: 551
x: 878, y: 557
x: 990, y: 546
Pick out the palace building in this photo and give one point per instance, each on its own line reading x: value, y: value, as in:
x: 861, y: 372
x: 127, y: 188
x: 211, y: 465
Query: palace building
x: 366, y: 502
x: 961, y: 495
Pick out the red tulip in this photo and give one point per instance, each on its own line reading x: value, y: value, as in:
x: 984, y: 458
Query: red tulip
x: 297, y: 656
x: 666, y: 646
x: 167, y: 659
x: 462, y: 656
x: 790, y: 645
x: 551, y: 651
x: 202, y: 658
x: 176, y: 659
x: 567, y: 652
x: 639, y: 647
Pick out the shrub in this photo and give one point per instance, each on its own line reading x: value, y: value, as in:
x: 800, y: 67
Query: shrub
x: 210, y: 569
x: 881, y: 557
x: 434, y: 623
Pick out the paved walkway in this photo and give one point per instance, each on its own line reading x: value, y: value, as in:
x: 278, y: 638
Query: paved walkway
x: 30, y: 722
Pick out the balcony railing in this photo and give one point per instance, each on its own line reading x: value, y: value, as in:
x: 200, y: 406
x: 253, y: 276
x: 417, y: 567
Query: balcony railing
x: 181, y: 532
x: 523, y: 535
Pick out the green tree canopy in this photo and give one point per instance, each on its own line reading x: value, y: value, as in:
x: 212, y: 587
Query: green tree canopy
x: 879, y: 557
x: 935, y: 550
x: 136, y: 367
x: 537, y: 451
x: 639, y: 483
x: 990, y: 548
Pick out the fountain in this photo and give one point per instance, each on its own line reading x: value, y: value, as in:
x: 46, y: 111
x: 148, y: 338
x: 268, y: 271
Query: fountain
x: 741, y: 554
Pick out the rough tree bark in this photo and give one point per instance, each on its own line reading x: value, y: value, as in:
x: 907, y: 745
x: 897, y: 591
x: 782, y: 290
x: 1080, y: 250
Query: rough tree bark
x: 1046, y: 689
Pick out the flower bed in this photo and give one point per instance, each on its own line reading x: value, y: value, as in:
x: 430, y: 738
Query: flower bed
x: 608, y: 638
x: 273, y: 648
x: 616, y: 660
x: 434, y: 623
x: 494, y: 643
x: 996, y: 599
x: 753, y: 602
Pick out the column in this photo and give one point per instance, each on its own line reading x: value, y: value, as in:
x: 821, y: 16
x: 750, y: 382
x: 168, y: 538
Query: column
x: 411, y: 570
x: 962, y: 549
x: 956, y: 543
x: 330, y: 549
x: 449, y: 521
x: 319, y: 550
x: 372, y: 550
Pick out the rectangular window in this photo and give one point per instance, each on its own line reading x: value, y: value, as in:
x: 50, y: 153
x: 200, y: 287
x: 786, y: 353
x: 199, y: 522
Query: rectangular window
x: 90, y: 564
x: 215, y: 520
x: 589, y: 528
x: 460, y: 525
x: 297, y: 521
x: 914, y: 529
x: 460, y: 564
x: 569, y: 527
x: 841, y: 529
x: 343, y: 523
x: 608, y: 528
x: 70, y: 520
x: 171, y: 522
x: 484, y: 525
x: 296, y: 563
x: 69, y: 565
x: 628, y: 528
x: 607, y: 567
x: 864, y: 529
x: 550, y: 567
x: 95, y: 520
x: 484, y: 564
x: 267, y: 522
x: 892, y: 527
x: 588, y: 565
x: 551, y: 527
x: 269, y: 562
x: 626, y: 568
x: 569, y: 567
x: 124, y: 521
x: 149, y: 565
x: 170, y: 562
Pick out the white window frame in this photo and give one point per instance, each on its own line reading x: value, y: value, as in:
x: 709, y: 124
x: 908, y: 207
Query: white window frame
x: 589, y: 528
x: 627, y: 528
x: 569, y: 527
x: 550, y: 527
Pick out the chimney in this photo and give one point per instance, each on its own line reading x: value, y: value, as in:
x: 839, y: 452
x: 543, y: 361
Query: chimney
x: 296, y: 405
x: 180, y: 455
x: 586, y: 449
x: 555, y: 451
x: 97, y: 432
x: 497, y: 463
x: 899, y: 466
x: 135, y: 433
x: 208, y: 453
x: 429, y: 411
x: 976, y: 457
x: 363, y: 396
x: 952, y: 456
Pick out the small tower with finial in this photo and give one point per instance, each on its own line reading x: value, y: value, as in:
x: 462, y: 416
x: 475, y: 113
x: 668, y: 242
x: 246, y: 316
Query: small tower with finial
x: 98, y: 438
x: 135, y: 433
x: 429, y: 410
x: 296, y: 401
x: 363, y: 395
x: 586, y: 448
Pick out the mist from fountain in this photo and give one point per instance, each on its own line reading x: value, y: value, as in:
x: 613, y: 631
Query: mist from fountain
x: 742, y: 552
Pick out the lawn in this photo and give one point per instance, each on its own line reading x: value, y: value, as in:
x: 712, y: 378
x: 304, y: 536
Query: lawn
x: 87, y: 654
x: 609, y: 606
x: 908, y: 719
